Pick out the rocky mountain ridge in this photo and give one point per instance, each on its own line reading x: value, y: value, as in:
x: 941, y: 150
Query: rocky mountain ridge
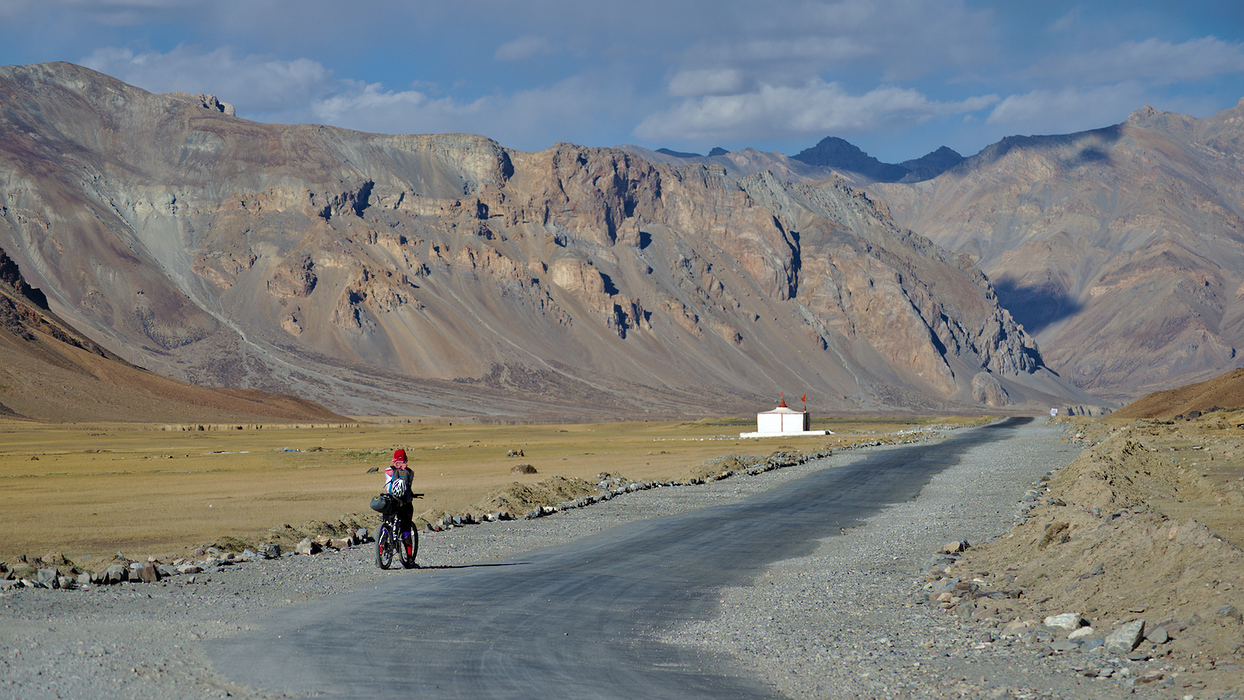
x: 831, y: 157
x: 51, y: 372
x: 446, y: 275
x: 1121, y: 248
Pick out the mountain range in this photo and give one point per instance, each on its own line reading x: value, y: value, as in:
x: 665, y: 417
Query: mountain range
x: 53, y: 373
x: 447, y: 275
x: 1118, y: 248
x: 831, y: 157
x: 1121, y: 249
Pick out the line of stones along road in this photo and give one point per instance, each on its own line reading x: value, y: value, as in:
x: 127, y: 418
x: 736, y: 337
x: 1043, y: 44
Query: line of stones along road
x: 64, y: 575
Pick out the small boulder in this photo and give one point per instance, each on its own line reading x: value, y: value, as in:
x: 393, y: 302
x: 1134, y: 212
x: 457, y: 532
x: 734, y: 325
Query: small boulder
x: 48, y: 577
x: 1015, y: 628
x: 1125, y: 639
x: 523, y: 469
x: 1230, y: 613
x: 1066, y: 621
x: 955, y: 547
x: 1158, y: 635
x: 115, y: 574
x: 306, y: 546
x: 269, y: 550
x: 145, y: 572
x: 1082, y: 633
x: 1096, y: 643
x: 1064, y: 646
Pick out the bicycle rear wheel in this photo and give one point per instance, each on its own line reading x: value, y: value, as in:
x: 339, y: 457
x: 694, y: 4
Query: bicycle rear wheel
x: 408, y: 561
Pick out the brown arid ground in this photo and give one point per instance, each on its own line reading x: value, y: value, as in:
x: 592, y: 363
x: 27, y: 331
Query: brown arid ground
x: 1226, y: 390
x: 1147, y: 524
x: 86, y: 492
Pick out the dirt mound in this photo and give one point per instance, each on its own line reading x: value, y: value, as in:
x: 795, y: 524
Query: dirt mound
x: 1225, y: 391
x: 517, y: 499
x: 1115, y: 541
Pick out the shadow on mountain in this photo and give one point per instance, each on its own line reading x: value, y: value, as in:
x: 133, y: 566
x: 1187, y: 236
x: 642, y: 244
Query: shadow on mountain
x: 610, y: 287
x: 1095, y: 144
x: 1035, y: 306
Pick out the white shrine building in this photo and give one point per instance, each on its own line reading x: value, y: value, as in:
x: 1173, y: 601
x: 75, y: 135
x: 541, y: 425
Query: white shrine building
x: 783, y: 422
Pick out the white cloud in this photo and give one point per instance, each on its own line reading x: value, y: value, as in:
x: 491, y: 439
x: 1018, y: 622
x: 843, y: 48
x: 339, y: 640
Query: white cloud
x: 789, y: 41
x: 370, y: 107
x: 112, y: 13
x: 523, y: 48
x: 527, y: 119
x: 1069, y: 109
x: 1151, y: 59
x: 816, y: 108
x: 1067, y: 22
x: 819, y: 49
x: 251, y: 83
x: 713, y: 81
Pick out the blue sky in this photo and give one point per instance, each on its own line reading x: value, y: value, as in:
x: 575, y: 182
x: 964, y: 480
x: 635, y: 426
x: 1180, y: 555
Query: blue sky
x: 896, y: 77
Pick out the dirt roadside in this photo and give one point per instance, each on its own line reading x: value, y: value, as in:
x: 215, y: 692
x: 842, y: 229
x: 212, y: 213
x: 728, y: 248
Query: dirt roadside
x: 1146, y: 525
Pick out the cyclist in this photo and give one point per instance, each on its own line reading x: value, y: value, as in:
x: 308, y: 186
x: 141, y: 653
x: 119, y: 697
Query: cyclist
x: 397, y: 479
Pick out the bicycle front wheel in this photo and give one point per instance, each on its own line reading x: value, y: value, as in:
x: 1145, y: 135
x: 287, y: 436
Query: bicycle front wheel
x: 385, y: 537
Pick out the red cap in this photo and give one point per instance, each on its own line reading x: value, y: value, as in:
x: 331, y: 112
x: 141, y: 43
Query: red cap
x: 399, y: 454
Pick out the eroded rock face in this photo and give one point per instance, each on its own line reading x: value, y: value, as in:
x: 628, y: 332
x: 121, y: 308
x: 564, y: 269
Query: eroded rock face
x: 1119, y: 249
x: 445, y: 273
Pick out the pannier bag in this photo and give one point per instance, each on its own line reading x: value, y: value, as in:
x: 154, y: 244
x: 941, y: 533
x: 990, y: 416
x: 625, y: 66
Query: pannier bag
x: 383, y: 503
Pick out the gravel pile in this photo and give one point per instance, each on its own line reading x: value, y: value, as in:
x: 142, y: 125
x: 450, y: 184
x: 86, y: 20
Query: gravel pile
x: 844, y: 621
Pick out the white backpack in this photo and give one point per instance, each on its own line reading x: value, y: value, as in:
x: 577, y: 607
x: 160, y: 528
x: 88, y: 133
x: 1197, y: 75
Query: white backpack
x: 399, y: 485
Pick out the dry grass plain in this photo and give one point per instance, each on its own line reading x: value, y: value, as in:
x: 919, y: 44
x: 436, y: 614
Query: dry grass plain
x: 95, y: 490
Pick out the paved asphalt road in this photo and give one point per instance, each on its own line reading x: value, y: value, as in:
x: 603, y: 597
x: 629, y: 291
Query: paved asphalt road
x: 575, y: 620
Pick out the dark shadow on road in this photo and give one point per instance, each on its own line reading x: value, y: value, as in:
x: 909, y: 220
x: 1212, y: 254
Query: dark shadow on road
x: 421, y: 567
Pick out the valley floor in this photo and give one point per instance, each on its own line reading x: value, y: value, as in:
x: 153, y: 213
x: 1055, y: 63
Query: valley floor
x: 847, y: 620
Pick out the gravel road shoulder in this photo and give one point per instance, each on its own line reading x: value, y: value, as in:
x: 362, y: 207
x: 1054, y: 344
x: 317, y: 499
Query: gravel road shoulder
x: 844, y: 621
x: 840, y: 622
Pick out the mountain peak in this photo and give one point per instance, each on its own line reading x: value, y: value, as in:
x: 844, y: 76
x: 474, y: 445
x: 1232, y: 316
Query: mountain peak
x: 931, y: 165
x: 1143, y: 114
x: 834, y: 152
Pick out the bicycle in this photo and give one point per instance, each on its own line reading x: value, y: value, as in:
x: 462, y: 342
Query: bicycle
x: 389, y: 538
